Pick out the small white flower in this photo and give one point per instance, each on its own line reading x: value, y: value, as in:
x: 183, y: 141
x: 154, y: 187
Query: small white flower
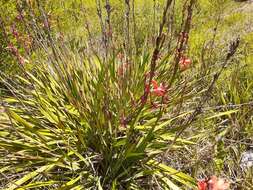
x: 246, y: 160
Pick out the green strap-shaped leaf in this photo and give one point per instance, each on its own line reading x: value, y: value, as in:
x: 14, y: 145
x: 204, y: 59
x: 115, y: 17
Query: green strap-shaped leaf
x: 173, y: 173
x: 29, y: 176
x: 20, y: 120
x: 222, y: 114
x: 70, y: 183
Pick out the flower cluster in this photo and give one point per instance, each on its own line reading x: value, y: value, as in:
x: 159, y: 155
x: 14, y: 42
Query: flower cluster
x: 153, y: 88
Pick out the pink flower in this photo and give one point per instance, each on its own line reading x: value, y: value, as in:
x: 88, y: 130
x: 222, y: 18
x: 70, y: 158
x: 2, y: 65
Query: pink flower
x: 218, y: 183
x: 202, y: 185
x: 21, y: 60
x: 184, y: 63
x: 158, y: 90
x: 214, y: 183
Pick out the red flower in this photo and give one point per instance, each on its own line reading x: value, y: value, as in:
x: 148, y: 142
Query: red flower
x: 184, y: 63
x: 155, y: 84
x: 158, y: 90
x: 218, y: 183
x: 213, y: 183
x: 202, y: 185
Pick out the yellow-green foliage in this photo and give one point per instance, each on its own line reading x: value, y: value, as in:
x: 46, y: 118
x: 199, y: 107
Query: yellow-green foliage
x: 77, y: 118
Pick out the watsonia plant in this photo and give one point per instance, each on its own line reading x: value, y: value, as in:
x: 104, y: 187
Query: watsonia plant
x: 67, y: 129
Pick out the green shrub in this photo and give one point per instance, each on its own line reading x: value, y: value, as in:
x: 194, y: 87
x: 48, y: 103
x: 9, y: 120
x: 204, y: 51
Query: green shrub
x: 69, y: 130
x: 76, y: 116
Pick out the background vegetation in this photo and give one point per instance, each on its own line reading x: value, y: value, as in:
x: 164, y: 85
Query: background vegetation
x: 80, y: 108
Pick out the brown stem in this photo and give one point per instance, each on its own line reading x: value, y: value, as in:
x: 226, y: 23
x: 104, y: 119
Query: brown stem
x: 198, y: 110
x: 134, y: 26
x: 108, y: 20
x: 182, y: 40
x: 154, y: 17
x: 127, y: 29
x: 99, y: 13
x: 158, y: 45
